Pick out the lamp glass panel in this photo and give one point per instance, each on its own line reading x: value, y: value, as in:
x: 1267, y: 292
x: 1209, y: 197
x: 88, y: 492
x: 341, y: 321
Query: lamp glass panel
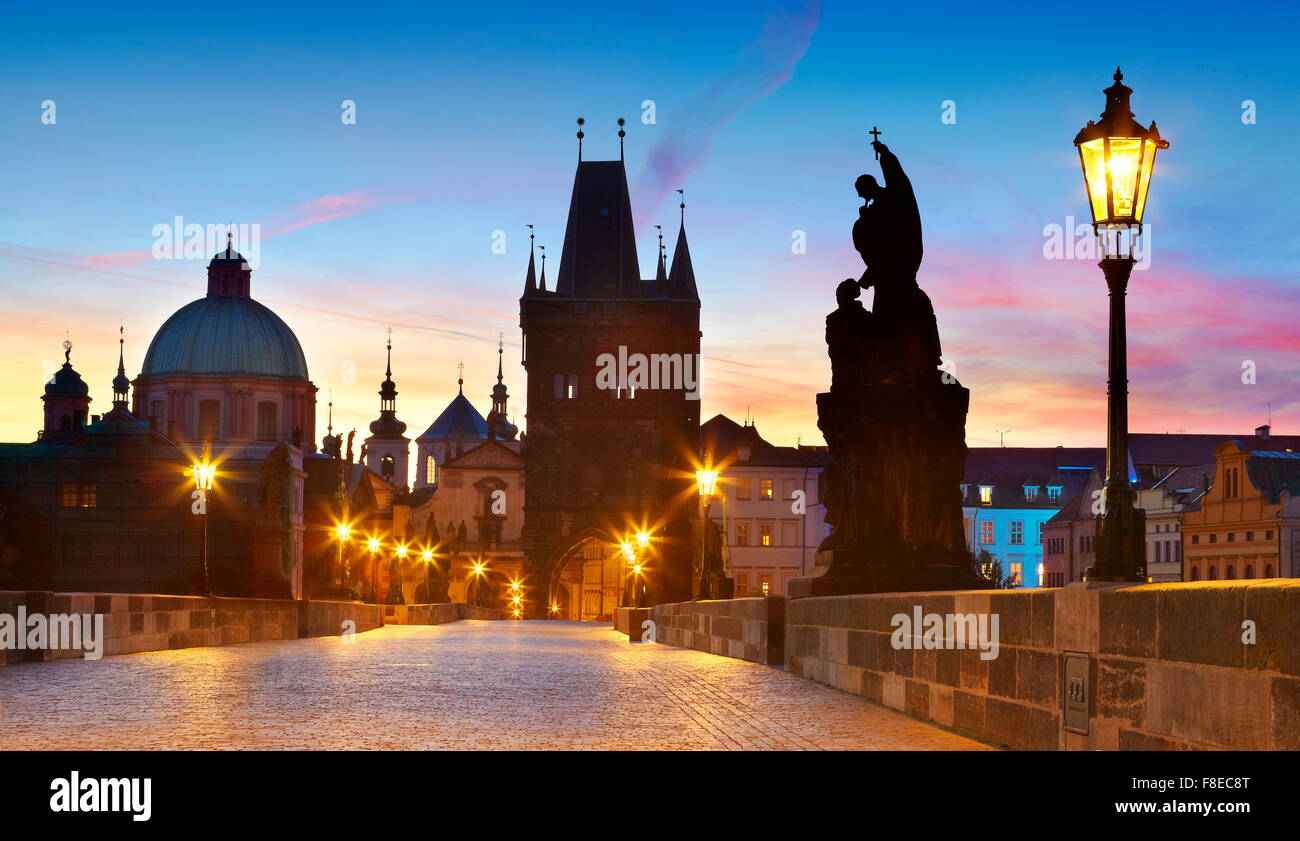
x: 1124, y: 163
x: 1093, y: 155
x: 1144, y: 181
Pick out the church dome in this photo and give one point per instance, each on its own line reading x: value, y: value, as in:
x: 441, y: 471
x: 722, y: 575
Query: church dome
x: 228, y: 335
x: 67, y: 383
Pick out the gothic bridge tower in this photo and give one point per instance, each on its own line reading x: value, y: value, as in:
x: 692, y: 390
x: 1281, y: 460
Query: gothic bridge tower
x: 604, y: 462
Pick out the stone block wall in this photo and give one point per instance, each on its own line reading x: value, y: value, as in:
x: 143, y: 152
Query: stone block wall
x: 1169, y: 666
x: 135, y: 623
x: 746, y: 629
x: 436, y: 614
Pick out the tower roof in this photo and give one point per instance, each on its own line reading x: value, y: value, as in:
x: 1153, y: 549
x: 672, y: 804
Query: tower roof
x: 66, y: 381
x: 599, y: 258
x: 681, y: 277
x: 459, y: 420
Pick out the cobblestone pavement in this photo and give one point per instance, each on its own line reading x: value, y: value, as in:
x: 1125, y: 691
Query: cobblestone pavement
x: 466, y: 685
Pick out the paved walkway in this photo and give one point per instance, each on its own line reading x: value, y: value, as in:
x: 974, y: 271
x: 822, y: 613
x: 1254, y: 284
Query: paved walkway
x: 467, y: 685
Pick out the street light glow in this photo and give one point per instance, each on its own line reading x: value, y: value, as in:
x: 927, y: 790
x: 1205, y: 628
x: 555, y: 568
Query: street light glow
x: 401, y: 551
x: 427, y: 555
x: 204, y: 474
x: 342, y: 531
x: 643, y: 539
x: 706, y: 481
x: 373, y: 544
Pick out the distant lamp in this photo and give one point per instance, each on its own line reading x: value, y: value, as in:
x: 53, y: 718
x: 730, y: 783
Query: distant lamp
x: 401, y: 552
x: 342, y: 531
x: 707, y: 482
x: 629, y: 552
x: 1118, y: 157
x: 643, y: 539
x: 427, y: 556
x: 373, y: 544
x: 479, y: 567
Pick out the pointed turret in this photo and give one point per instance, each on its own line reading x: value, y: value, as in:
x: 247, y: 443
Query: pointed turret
x: 661, y: 271
x: 681, y: 277
x: 121, y: 385
x: 387, y: 448
x: 530, y: 280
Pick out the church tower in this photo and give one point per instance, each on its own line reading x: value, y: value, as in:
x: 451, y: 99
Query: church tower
x: 387, y: 448
x: 600, y: 460
x: 66, y: 399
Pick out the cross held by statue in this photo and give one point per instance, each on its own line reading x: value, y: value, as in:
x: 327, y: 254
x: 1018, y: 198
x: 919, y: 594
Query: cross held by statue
x: 875, y: 137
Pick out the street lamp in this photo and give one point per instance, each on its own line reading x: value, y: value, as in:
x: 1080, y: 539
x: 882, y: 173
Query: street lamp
x: 1118, y: 157
x: 342, y: 532
x: 427, y: 557
x: 373, y: 546
x: 706, y: 481
x: 205, y: 475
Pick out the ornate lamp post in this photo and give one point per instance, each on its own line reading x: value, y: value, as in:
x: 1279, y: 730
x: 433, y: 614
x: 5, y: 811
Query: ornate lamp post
x: 372, y: 545
x: 205, y: 475
x: 342, y: 532
x: 427, y: 557
x: 1118, y: 157
x: 706, y: 481
x: 629, y: 561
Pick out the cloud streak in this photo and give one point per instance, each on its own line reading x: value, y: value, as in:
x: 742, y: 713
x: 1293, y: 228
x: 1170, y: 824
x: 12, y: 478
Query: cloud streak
x: 764, y: 65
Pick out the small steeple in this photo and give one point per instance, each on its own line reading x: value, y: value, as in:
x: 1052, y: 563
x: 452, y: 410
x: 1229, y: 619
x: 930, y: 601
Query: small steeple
x: 621, y: 134
x: 121, y: 385
x: 542, y: 249
x: 530, y: 280
x: 681, y: 277
x: 581, y: 134
x: 387, y: 425
x: 460, y: 380
x: 661, y: 271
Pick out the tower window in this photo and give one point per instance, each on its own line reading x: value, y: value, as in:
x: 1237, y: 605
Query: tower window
x: 387, y: 467
x: 157, y: 409
x: 267, y: 420
x: 430, y: 471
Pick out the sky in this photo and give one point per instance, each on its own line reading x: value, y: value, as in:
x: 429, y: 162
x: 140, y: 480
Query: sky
x: 464, y: 134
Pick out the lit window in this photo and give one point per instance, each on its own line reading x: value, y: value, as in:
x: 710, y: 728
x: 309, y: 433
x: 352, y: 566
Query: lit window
x: 89, y: 496
x: 430, y: 470
x: 765, y: 534
x: 986, y: 494
x: 1017, y: 573
x: 69, y: 497
x: 986, y: 533
x: 764, y: 488
x: 1017, y: 532
x: 765, y: 584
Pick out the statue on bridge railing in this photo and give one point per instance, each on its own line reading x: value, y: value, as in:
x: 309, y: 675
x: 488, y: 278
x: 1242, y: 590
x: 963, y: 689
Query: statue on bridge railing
x: 894, y: 423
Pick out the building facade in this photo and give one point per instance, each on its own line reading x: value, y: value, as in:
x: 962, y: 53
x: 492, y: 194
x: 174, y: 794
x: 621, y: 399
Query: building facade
x: 1247, y: 524
x: 767, y: 505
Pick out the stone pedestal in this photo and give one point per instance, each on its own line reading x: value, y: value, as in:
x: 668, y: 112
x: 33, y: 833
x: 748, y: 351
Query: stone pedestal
x: 892, y: 491
x: 269, y: 579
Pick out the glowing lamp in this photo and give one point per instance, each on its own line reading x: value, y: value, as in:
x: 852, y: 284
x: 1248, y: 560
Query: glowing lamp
x: 401, y: 551
x: 1118, y: 157
x: 706, y: 481
x: 643, y: 539
x: 373, y: 544
x: 205, y: 474
x: 629, y: 553
x: 342, y: 531
x: 427, y: 556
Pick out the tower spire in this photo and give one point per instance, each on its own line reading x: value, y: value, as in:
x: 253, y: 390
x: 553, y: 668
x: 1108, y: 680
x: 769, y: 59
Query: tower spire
x: 460, y: 381
x: 542, y: 249
x: 121, y: 385
x: 581, y: 123
x: 501, y: 349
x: 530, y: 280
x: 682, y: 193
x: 661, y: 271
x: 621, y: 135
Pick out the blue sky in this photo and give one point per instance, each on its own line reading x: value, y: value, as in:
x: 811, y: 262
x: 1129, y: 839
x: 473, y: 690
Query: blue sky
x: 465, y: 120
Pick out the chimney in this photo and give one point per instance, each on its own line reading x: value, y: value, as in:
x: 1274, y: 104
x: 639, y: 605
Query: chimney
x: 1261, y: 432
